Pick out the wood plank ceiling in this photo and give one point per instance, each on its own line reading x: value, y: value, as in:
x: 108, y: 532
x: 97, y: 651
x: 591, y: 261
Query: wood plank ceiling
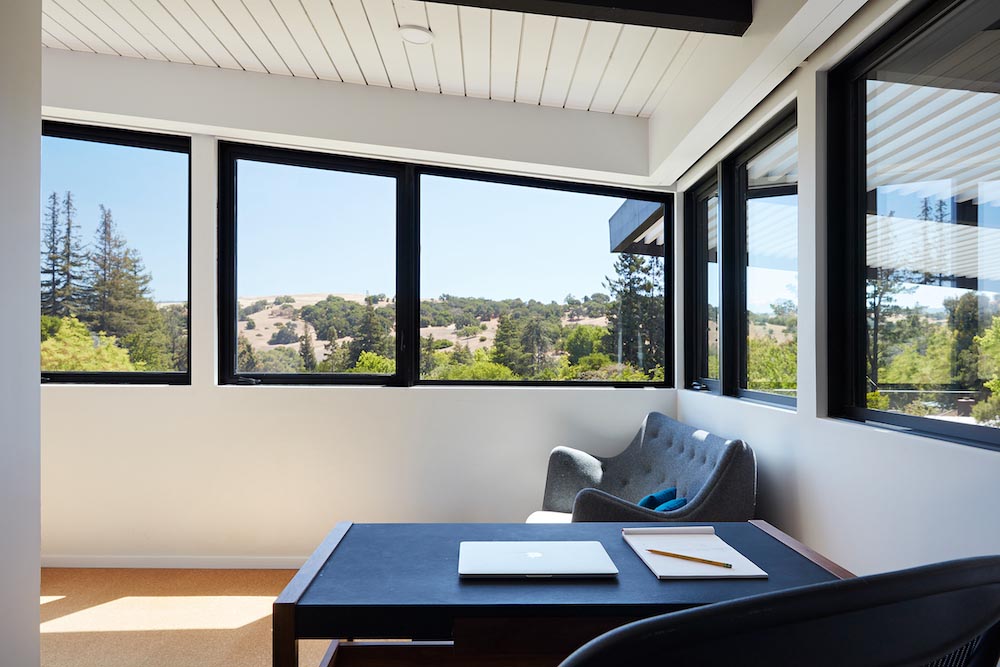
x: 490, y: 54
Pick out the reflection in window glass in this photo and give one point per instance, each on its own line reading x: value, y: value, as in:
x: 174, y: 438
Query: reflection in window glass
x: 933, y: 224
x: 114, y: 258
x: 316, y: 270
x: 709, y: 213
x: 772, y: 269
x: 518, y: 283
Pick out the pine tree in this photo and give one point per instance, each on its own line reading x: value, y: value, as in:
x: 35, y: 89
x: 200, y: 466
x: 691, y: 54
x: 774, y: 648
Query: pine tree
x: 507, y: 349
x: 632, y: 291
x: 119, y: 303
x: 246, y: 358
x: 535, y: 345
x: 72, y: 291
x: 306, y: 350
x: 372, y: 336
x: 52, y: 246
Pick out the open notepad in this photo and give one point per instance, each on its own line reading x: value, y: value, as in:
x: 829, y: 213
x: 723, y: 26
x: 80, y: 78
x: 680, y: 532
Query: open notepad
x: 697, y: 541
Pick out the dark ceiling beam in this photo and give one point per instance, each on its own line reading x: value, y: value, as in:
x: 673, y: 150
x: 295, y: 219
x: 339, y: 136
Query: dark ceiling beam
x: 722, y: 17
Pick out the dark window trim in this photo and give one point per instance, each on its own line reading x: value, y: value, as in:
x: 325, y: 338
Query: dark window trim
x: 407, y: 264
x: 135, y: 139
x: 846, y: 248
x: 696, y: 289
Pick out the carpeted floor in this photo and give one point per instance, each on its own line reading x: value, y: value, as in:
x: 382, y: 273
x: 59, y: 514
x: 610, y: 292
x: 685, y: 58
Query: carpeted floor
x: 161, y: 618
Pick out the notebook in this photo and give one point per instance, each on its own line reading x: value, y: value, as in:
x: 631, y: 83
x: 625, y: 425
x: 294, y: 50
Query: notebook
x: 534, y: 559
x: 697, y: 541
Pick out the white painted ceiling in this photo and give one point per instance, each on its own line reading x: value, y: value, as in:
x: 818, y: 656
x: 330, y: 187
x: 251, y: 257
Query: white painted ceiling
x: 507, y: 56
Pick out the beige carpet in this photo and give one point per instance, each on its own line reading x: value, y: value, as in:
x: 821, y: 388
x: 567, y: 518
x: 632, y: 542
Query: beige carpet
x: 161, y: 618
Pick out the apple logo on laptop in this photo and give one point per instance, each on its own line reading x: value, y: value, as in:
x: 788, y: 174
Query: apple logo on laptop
x: 534, y: 554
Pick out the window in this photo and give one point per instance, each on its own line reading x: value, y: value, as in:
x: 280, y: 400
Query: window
x: 321, y: 280
x: 705, y: 293
x: 311, y: 288
x: 768, y: 182
x: 517, y: 283
x: 742, y: 226
x: 916, y: 110
x: 114, y: 256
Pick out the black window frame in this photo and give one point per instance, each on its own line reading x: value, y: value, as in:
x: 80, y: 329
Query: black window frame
x: 135, y: 139
x: 731, y: 182
x: 846, y: 243
x: 407, y: 265
x: 696, y: 284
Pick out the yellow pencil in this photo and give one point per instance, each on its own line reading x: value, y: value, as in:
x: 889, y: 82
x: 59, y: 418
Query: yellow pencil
x: 691, y: 558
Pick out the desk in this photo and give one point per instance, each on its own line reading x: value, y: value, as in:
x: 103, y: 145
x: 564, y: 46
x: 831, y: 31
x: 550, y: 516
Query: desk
x: 400, y: 581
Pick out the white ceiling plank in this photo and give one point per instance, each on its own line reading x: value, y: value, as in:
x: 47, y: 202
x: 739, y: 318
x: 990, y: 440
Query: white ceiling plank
x: 567, y: 41
x: 113, y: 20
x: 227, y: 35
x: 300, y: 27
x: 175, y: 31
x: 443, y: 22
x: 327, y: 25
x: 631, y: 47
x: 362, y: 41
x: 149, y: 30
x: 201, y: 33
x: 505, y: 51
x: 245, y: 25
x: 281, y: 39
x: 82, y: 13
x: 82, y: 32
x: 51, y: 42
x: 594, y: 59
x: 421, y: 56
x: 475, y: 26
x: 536, y: 40
x: 72, y: 42
x: 654, y: 63
x: 382, y: 18
x: 680, y: 60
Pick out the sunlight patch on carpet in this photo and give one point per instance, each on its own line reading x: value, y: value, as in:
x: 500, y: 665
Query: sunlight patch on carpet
x: 45, y: 599
x: 137, y: 614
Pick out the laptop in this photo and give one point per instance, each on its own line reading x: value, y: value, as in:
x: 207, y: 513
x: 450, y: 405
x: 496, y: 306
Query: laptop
x: 534, y: 559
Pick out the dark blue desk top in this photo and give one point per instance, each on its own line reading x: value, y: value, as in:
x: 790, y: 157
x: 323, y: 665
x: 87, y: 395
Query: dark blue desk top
x: 401, y: 580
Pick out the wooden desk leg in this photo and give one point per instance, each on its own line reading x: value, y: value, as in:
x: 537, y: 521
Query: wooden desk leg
x: 284, y: 645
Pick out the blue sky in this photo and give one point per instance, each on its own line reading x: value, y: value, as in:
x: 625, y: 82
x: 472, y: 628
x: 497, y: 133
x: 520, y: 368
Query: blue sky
x: 147, y: 192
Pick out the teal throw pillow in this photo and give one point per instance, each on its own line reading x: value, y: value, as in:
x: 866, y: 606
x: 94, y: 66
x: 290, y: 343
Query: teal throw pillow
x: 674, y: 504
x: 653, y: 500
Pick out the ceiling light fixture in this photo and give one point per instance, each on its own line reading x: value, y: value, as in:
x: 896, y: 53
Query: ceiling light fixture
x: 415, y: 34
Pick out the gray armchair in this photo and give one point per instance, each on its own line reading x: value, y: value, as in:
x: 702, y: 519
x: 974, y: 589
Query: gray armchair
x: 717, y: 476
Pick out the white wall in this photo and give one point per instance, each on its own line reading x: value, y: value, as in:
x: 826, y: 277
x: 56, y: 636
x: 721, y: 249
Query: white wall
x: 869, y: 498
x: 20, y: 91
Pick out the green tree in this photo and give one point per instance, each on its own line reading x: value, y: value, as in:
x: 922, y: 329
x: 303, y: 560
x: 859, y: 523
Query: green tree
x: 535, y: 344
x: 370, y: 363
x: 284, y: 334
x: 461, y: 356
x: 74, y: 348
x: 175, y: 322
x: 920, y: 363
x: 246, y: 357
x: 507, y: 348
x: 279, y: 360
x: 73, y: 292
x: 584, y: 339
x: 636, y: 316
x: 988, y: 411
x: 480, y: 369
x: 372, y: 336
x: 881, y: 290
x: 306, y: 351
x: 964, y: 319
x: 771, y: 365
x: 51, y: 253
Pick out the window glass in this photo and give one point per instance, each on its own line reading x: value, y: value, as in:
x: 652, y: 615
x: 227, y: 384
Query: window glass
x: 709, y: 217
x: 114, y: 257
x: 772, y: 269
x: 932, y: 152
x: 519, y: 283
x: 316, y: 270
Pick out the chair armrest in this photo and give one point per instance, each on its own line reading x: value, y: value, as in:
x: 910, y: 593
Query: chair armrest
x: 569, y: 471
x: 597, y: 505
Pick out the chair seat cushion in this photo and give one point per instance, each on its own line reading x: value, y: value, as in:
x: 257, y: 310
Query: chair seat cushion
x: 543, y: 516
x: 654, y: 500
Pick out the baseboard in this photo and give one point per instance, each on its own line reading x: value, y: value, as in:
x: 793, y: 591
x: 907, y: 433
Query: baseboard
x: 189, y: 562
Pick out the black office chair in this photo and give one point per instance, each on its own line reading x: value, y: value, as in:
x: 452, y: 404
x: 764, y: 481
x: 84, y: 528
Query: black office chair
x: 944, y: 615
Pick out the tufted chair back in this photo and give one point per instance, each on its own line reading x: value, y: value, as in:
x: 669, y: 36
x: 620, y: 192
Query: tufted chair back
x: 717, y: 476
